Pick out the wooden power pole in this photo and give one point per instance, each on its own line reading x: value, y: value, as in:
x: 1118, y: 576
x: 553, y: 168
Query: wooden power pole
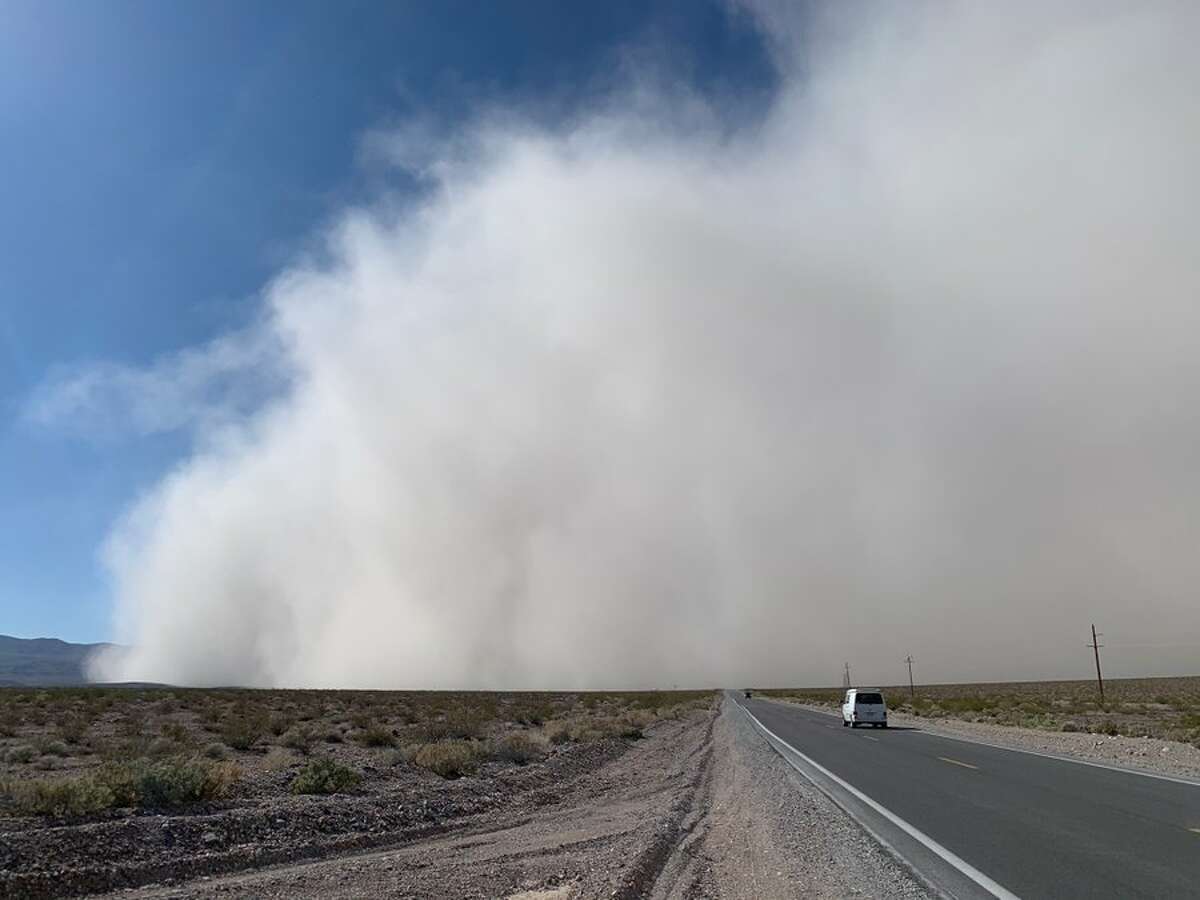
x: 912, y: 691
x: 846, y: 677
x: 1095, y: 645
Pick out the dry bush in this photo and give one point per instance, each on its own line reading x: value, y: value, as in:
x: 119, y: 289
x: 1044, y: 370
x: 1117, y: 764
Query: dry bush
x: 278, y: 759
x: 74, y: 728
x: 450, y: 759
x: 533, y: 713
x: 300, y: 738
x: 215, y: 751
x: 176, y: 732
x: 161, y: 747
x: 375, y: 736
x: 461, y: 725
x: 519, y: 747
x: 132, y: 723
x: 166, y: 705
x: 362, y: 719
x: 242, y: 729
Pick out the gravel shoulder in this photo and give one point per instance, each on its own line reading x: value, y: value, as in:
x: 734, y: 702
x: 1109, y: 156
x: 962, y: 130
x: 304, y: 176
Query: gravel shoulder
x: 1161, y: 757
x: 770, y: 833
x: 700, y: 808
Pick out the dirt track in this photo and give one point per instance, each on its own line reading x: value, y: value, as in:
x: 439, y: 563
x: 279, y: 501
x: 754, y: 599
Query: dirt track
x: 700, y: 808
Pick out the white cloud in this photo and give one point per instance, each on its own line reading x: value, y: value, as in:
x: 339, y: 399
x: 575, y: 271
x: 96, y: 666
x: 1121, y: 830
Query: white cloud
x: 907, y: 367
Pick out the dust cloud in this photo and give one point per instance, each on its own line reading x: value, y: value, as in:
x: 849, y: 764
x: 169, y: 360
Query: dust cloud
x: 908, y: 365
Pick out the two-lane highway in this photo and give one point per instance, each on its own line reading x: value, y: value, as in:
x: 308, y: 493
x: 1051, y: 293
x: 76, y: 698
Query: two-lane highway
x: 1038, y: 826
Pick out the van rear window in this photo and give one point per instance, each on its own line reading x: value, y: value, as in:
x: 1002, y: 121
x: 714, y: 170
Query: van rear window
x: 868, y: 698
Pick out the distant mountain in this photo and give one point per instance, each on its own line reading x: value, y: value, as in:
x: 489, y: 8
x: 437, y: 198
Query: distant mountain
x: 43, y: 661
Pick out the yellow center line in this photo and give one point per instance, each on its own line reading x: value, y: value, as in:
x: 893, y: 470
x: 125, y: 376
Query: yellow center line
x: 955, y: 762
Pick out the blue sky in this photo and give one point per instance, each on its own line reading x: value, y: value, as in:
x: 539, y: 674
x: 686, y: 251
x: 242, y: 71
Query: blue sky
x: 162, y: 160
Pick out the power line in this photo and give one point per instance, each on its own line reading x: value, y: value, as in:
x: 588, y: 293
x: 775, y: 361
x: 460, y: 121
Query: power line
x: 912, y: 692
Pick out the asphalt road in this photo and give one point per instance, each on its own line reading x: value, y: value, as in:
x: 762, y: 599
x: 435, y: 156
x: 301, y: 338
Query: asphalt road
x: 1040, y: 827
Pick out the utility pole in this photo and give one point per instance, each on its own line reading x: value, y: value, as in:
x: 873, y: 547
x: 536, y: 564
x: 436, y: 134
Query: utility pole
x: 912, y: 691
x: 1099, y: 678
x: 846, y: 677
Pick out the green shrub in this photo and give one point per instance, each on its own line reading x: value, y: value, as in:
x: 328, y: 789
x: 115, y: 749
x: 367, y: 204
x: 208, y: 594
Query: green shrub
x: 120, y: 779
x: 215, y: 751
x: 1069, y: 726
x: 21, y: 754
x: 177, y: 782
x: 65, y: 797
x: 450, y: 759
x: 166, y: 783
x: 51, y: 748
x: 325, y: 776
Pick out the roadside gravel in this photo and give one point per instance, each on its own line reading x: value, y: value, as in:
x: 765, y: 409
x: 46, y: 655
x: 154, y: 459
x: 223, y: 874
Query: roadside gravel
x: 701, y: 809
x: 1149, y: 754
x: 773, y: 834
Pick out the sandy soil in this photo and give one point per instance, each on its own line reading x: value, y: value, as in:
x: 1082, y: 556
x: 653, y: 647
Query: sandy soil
x: 701, y: 808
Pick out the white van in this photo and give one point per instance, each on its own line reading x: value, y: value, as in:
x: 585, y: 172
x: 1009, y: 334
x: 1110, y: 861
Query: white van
x: 864, y: 707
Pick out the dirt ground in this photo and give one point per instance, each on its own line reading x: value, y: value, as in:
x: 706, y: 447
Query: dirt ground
x: 700, y: 807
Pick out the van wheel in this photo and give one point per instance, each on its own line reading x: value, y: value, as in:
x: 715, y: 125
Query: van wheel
x: 844, y: 723
x: 853, y: 724
x: 884, y: 725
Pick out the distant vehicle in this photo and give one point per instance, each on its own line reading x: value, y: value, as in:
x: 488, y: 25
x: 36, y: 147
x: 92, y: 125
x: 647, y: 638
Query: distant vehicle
x: 747, y: 695
x: 863, y: 707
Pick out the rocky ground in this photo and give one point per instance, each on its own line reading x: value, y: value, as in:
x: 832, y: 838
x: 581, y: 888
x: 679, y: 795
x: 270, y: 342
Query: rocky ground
x: 699, y: 808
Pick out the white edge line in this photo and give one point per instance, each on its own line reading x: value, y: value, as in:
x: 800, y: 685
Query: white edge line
x: 1178, y: 779
x: 916, y: 834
